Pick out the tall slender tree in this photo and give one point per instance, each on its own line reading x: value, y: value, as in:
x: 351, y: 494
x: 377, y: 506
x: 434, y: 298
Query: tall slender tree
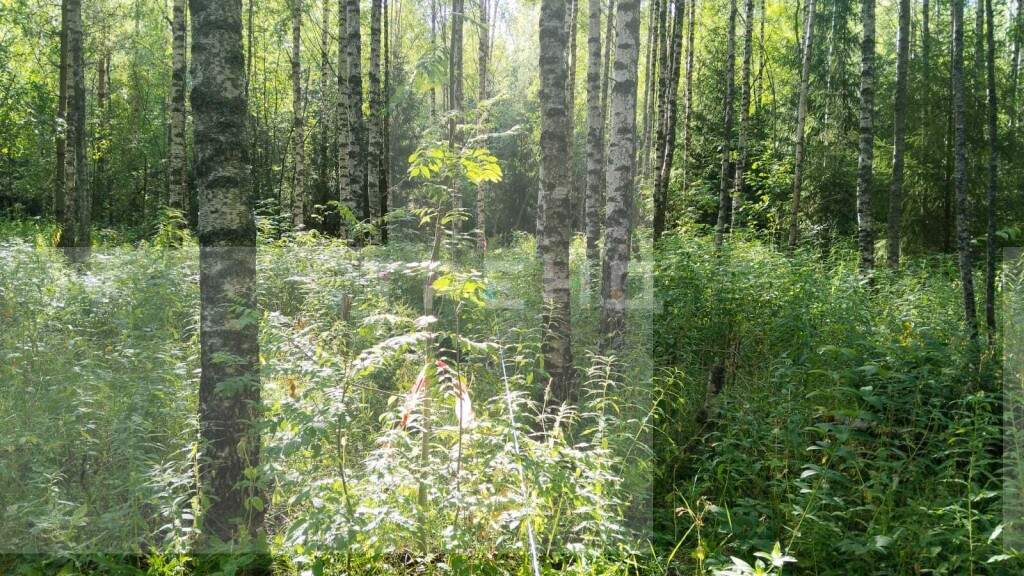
x: 963, y: 218
x: 606, y: 82
x: 1017, y: 29
x: 177, y: 177
x: 667, y: 137
x: 654, y: 86
x: 895, y: 218
x: 744, y: 132
x: 688, y: 94
x: 554, y: 140
x: 75, y: 237
x: 993, y: 173
x: 298, y: 122
x: 375, y: 151
x: 357, y: 148
x: 483, y: 93
x: 348, y: 196
x: 229, y: 389
x: 325, y: 131
x: 571, y: 27
x: 801, y: 124
x: 725, y: 184
x: 621, y: 166
x: 101, y: 181
x: 865, y: 162
x: 385, y: 169
x: 595, y: 134
x: 456, y: 94
x: 61, y: 132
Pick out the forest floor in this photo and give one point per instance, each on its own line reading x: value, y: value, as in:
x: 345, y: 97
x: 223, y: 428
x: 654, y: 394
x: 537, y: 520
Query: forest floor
x: 857, y: 425
x: 98, y: 412
x: 857, y: 430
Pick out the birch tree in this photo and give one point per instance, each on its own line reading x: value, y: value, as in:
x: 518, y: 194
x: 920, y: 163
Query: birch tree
x: 865, y: 162
x: 595, y: 133
x: 895, y: 219
x: 375, y: 151
x: 993, y: 172
x: 357, y: 147
x: 298, y: 122
x: 483, y: 93
x: 688, y: 93
x: 347, y: 193
x: 456, y: 93
x: 621, y: 166
x: 801, y: 125
x: 725, y: 176
x: 555, y: 178
x: 75, y: 236
x: 963, y: 218
x: 229, y: 390
x: 667, y: 135
x: 177, y: 175
x: 743, y: 144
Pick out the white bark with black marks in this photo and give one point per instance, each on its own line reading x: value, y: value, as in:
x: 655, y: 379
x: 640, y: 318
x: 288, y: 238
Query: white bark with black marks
x: 298, y: 122
x: 595, y: 134
x: 963, y: 217
x: 865, y: 161
x: 744, y: 131
x: 357, y: 148
x: 555, y: 180
x: 725, y: 183
x: 895, y: 220
x: 993, y: 173
x: 667, y: 133
x: 76, y: 236
x: 375, y: 151
x: 229, y: 390
x: 801, y: 125
x: 177, y: 176
x: 621, y: 175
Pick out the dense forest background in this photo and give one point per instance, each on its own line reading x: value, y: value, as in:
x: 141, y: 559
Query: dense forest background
x: 511, y: 286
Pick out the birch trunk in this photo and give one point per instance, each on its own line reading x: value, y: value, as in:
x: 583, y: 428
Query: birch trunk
x: 357, y: 126
x: 655, y: 54
x: 61, y: 130
x: 621, y: 174
x: 483, y: 62
x: 725, y: 185
x: 963, y: 218
x: 688, y: 94
x: 895, y: 219
x: 667, y: 146
x: 801, y: 125
x: 76, y: 236
x: 555, y: 177
x: 298, y: 122
x: 375, y: 155
x: 326, y: 118
x: 993, y: 173
x: 865, y: 162
x: 229, y: 390
x: 744, y: 153
x: 346, y: 194
x: 595, y: 133
x: 606, y: 82
x: 177, y: 176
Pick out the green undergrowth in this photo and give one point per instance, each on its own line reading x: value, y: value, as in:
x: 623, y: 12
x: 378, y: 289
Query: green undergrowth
x: 857, y: 425
x: 100, y: 372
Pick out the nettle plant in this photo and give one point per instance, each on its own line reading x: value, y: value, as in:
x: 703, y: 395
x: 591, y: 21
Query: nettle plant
x: 391, y: 435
